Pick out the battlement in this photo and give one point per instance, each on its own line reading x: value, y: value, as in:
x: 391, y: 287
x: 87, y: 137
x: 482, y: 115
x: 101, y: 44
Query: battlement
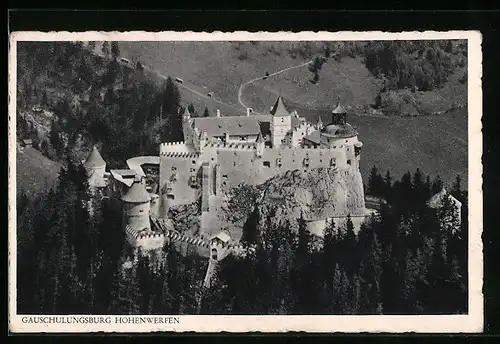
x: 142, y: 235
x: 307, y: 148
x: 303, y: 125
x: 172, y: 144
x: 233, y: 146
x: 180, y: 155
x: 174, y: 147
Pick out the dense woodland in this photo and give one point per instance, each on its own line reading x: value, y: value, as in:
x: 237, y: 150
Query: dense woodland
x: 71, y: 260
x: 95, y: 99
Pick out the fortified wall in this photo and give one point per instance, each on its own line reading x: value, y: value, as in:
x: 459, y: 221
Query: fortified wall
x: 184, y: 177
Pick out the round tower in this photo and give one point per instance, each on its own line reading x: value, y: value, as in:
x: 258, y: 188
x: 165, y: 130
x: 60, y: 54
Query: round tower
x: 136, y: 207
x: 95, y: 163
x: 339, y: 134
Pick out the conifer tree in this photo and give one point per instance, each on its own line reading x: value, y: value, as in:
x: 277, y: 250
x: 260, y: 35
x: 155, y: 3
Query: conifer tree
x: 206, y: 113
x: 171, y: 105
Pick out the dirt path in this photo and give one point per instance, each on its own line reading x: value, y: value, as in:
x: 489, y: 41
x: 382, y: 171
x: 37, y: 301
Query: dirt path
x: 242, y: 86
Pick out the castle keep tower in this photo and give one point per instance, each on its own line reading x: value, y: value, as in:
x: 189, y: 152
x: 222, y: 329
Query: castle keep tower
x: 281, y: 122
x: 340, y: 134
x: 136, y: 207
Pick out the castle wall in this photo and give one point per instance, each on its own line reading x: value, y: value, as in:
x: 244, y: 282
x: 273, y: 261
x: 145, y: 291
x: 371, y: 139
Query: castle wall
x: 206, y: 178
x: 175, y: 176
x: 241, y: 139
x: 137, y: 215
x: 155, y: 205
x: 279, y: 128
x: 336, y: 142
x: 147, y: 242
x: 177, y: 147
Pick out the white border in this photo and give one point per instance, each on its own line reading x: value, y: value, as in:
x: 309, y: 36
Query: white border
x: 473, y: 322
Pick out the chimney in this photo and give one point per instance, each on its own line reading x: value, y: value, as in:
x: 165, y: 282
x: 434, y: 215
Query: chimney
x: 249, y: 111
x: 218, y: 113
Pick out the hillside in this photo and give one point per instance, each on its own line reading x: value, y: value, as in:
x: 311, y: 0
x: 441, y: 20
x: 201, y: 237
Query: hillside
x: 34, y: 172
x: 437, y: 145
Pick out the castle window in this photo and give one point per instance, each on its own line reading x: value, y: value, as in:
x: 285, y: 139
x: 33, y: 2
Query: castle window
x: 266, y: 164
x: 224, y: 176
x: 193, y: 170
x: 212, y: 159
x: 278, y: 162
x: 173, y: 177
x: 348, y: 162
x: 333, y: 162
x: 141, y: 210
x: 170, y: 196
x: 306, y: 162
x: 346, y: 140
x: 320, y: 160
x: 282, y: 120
x: 234, y: 164
x: 174, y: 168
x: 243, y: 138
x: 194, y: 162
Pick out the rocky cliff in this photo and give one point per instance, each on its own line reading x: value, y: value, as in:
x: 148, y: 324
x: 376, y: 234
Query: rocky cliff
x: 315, y: 194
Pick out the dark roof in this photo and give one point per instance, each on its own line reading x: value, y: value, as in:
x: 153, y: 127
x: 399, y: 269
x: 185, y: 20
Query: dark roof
x: 265, y: 128
x: 233, y: 125
x: 314, y: 137
x: 339, y: 130
x: 137, y: 194
x: 296, y: 122
x: 94, y: 159
x: 279, y: 108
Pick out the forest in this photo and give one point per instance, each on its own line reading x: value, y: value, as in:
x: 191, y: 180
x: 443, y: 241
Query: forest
x: 407, y: 259
x: 94, y: 99
x: 72, y: 253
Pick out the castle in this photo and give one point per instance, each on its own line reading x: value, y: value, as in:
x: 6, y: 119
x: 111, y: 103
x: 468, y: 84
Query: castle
x: 219, y: 153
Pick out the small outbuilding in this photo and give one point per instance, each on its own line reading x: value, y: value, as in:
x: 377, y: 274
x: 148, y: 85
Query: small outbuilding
x: 220, y: 238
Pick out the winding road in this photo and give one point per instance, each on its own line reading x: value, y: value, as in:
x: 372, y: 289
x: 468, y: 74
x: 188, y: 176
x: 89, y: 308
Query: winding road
x: 242, y: 86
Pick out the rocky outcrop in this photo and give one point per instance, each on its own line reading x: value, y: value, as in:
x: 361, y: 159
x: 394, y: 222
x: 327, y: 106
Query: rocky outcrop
x: 315, y: 194
x: 186, y: 218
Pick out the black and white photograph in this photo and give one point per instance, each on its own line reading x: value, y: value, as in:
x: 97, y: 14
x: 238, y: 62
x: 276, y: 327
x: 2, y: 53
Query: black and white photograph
x: 254, y: 176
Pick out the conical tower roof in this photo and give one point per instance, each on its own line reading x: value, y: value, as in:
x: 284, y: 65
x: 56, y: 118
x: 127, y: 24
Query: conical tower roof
x: 186, y: 112
x: 137, y: 193
x: 94, y: 160
x: 320, y: 122
x: 279, y: 108
x: 339, y: 109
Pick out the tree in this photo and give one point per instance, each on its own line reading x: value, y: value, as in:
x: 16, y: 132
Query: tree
x: 105, y: 49
x: 315, y: 67
x: 328, y: 51
x: 171, y: 105
x: 115, y: 49
x: 456, y: 190
x: 388, y: 186
x: 437, y: 185
x: 206, y: 113
x: 375, y: 183
x: 192, y: 110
